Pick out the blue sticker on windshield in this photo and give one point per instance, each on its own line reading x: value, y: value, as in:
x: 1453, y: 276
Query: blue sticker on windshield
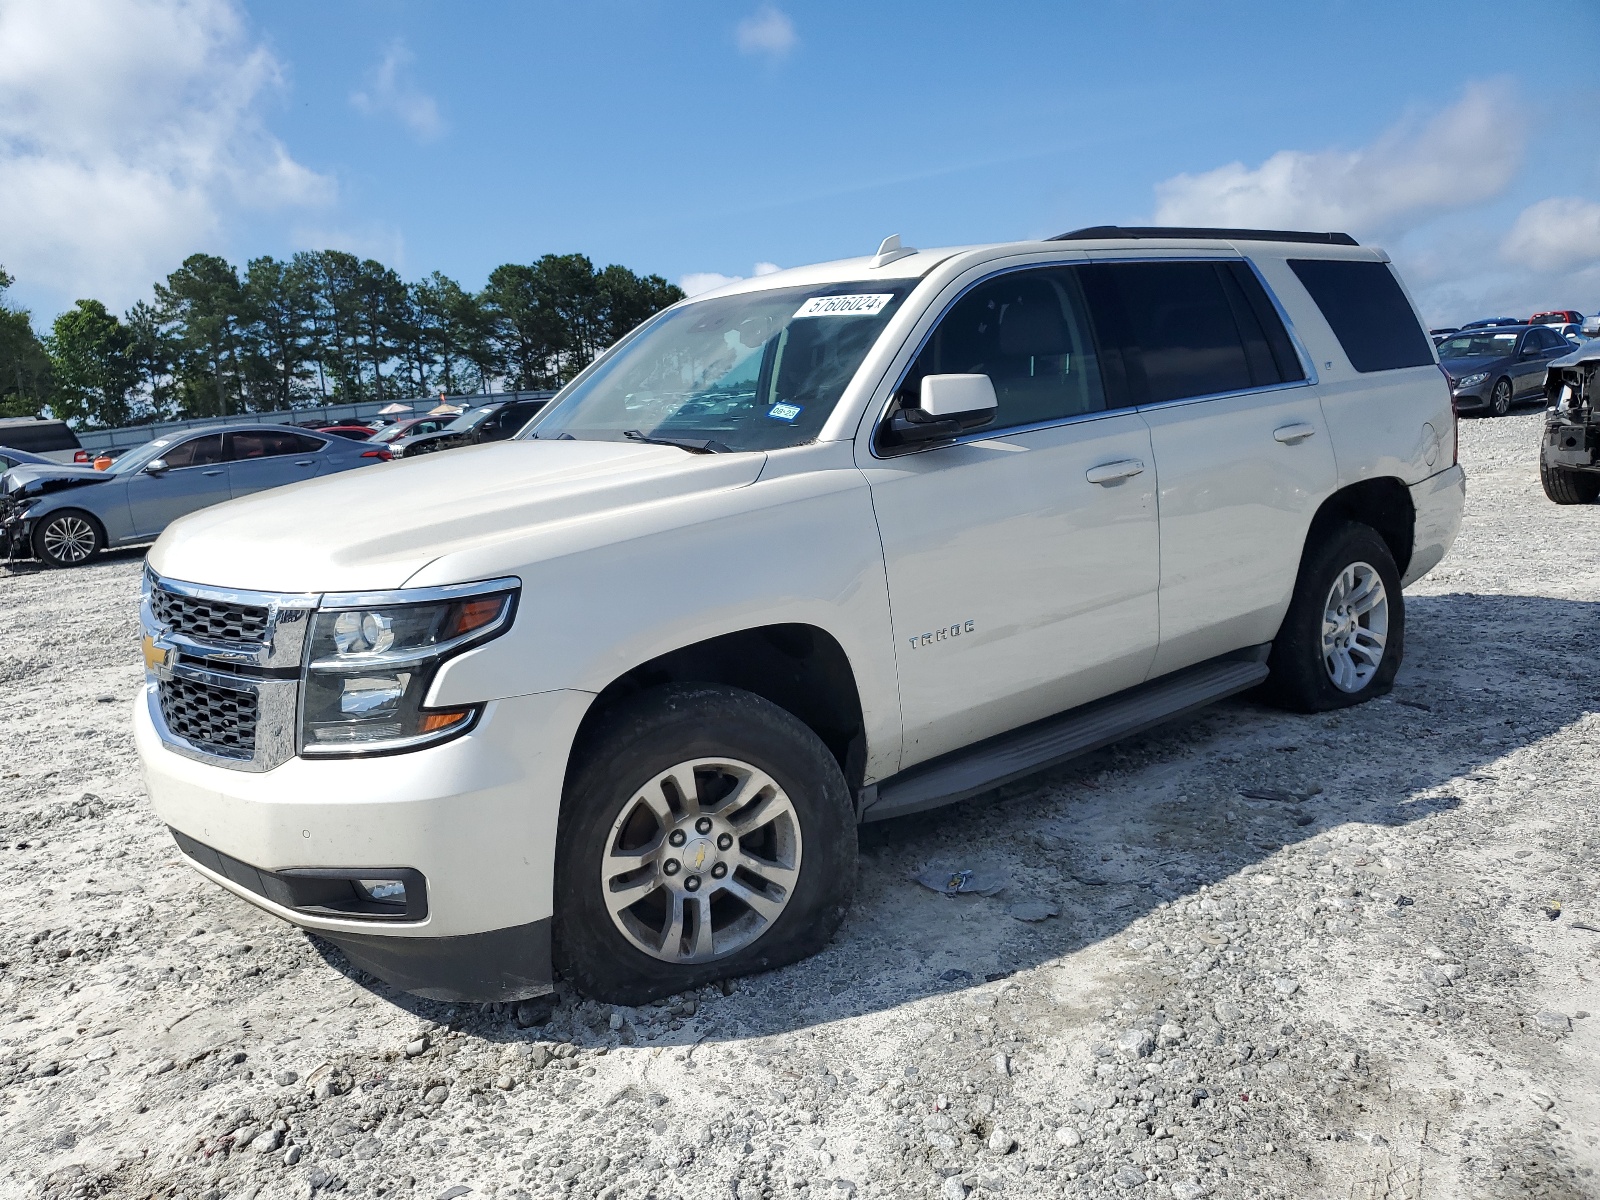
x: 784, y: 412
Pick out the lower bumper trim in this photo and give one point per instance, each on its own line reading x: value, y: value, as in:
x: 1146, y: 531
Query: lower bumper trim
x: 474, y: 968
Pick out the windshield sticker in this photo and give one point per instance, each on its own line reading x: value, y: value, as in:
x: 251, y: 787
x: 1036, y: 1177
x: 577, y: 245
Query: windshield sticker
x: 784, y: 412
x: 844, y: 306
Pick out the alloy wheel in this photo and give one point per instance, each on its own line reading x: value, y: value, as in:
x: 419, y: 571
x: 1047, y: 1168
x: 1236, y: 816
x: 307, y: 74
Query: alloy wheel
x: 701, y: 861
x: 1355, y: 627
x: 1500, y: 398
x: 69, y: 539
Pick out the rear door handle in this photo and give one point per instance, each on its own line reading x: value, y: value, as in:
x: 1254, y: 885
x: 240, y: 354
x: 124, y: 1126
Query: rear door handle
x: 1114, y: 472
x: 1297, y: 432
x: 211, y: 472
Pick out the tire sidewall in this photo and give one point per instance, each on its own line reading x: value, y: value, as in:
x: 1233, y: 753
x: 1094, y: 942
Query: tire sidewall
x: 631, y: 746
x: 1299, y: 676
x: 49, y: 560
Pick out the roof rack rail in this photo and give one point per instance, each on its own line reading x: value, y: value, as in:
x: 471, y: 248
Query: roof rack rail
x: 1097, y: 232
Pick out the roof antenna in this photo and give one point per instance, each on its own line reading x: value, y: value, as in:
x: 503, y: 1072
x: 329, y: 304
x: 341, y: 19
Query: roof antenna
x: 890, y: 250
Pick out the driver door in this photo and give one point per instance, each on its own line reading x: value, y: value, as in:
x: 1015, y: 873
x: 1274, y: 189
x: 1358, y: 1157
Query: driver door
x: 1022, y: 560
x: 196, y: 476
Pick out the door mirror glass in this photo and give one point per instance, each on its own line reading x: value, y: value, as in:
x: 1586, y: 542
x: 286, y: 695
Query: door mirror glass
x: 156, y: 466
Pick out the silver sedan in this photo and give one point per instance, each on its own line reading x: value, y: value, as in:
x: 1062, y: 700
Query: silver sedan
x: 64, y: 515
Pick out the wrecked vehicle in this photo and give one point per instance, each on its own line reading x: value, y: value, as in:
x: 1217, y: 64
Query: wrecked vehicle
x: 1569, y: 455
x: 64, y: 516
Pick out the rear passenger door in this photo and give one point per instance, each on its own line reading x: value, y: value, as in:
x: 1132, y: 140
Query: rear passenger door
x: 1022, y: 558
x: 267, y: 458
x: 1242, y: 456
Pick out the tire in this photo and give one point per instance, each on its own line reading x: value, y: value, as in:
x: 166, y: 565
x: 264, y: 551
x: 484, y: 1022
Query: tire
x: 1566, y: 486
x: 1343, y: 560
x: 624, y: 802
x: 68, y: 538
x: 1500, y: 398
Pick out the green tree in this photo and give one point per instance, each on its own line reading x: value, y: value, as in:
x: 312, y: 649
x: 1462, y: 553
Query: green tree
x: 200, y: 306
x: 24, y: 362
x: 95, y: 367
x: 455, y: 336
x: 277, y: 351
x: 155, y: 354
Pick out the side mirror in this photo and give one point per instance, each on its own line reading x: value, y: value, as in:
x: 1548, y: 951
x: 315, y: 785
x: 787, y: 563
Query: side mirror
x: 156, y: 466
x: 949, y: 406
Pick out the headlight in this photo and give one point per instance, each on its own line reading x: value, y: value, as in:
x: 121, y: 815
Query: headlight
x: 1472, y: 380
x: 373, y: 658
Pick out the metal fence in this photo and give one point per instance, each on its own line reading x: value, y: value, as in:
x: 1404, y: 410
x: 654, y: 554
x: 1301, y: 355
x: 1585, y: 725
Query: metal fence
x: 362, y: 413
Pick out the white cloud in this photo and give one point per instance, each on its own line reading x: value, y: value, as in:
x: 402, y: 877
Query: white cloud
x: 1561, y: 233
x: 390, y: 90
x: 768, y: 31
x: 1465, y: 155
x: 696, y: 282
x: 129, y: 129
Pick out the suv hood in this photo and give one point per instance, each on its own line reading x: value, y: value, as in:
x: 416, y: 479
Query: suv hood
x: 377, y: 527
x: 32, y: 479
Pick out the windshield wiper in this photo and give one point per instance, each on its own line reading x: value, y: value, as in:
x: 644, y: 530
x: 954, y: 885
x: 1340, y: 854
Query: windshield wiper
x: 693, y: 445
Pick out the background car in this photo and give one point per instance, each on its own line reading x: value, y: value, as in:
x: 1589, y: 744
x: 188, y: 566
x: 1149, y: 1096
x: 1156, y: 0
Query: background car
x: 348, y: 429
x: 1491, y: 368
x: 486, y: 423
x: 1439, y: 335
x: 1487, y: 322
x: 15, y: 458
x: 64, y: 515
x: 1558, y: 316
x: 54, y: 440
x: 1573, y: 333
x: 409, y: 427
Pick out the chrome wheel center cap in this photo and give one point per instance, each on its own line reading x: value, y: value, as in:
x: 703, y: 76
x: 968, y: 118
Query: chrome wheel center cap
x: 699, y: 854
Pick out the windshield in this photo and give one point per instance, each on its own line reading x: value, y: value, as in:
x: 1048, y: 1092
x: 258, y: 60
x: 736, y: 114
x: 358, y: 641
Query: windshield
x: 470, y: 419
x: 1478, y: 345
x: 135, y: 459
x: 755, y: 371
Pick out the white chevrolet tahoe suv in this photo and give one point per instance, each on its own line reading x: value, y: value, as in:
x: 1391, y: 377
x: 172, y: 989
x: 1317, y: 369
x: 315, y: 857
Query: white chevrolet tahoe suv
x: 607, y: 701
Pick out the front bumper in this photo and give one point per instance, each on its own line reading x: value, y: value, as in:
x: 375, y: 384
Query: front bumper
x: 475, y: 818
x: 1438, y: 502
x: 1471, y: 399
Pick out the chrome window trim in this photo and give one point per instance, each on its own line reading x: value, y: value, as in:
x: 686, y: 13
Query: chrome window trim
x: 419, y: 595
x: 981, y: 435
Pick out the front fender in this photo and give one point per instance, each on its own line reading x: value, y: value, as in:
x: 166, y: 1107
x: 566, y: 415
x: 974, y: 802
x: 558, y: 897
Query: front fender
x: 800, y: 545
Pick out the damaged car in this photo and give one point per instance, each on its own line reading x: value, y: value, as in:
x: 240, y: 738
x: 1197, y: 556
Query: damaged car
x: 1569, y: 455
x: 65, y: 515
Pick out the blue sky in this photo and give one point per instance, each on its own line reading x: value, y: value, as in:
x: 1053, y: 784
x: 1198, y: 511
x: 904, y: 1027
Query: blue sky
x: 695, y: 140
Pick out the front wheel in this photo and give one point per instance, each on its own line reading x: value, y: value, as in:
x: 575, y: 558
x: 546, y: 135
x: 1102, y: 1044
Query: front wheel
x: 1500, y: 398
x: 67, y: 539
x: 705, y: 833
x: 1566, y: 486
x: 1342, y: 640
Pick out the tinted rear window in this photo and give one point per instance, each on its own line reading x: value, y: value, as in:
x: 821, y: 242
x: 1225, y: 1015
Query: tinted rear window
x: 38, y: 437
x: 1368, y: 312
x: 1202, y: 328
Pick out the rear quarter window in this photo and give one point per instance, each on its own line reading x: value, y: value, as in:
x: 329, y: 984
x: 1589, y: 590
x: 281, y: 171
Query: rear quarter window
x: 1369, y: 314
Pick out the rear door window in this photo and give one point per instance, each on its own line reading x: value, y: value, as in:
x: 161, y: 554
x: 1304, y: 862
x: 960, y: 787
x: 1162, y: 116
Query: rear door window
x: 1369, y: 314
x: 196, y: 452
x: 1030, y: 333
x: 1200, y: 328
x: 261, y: 443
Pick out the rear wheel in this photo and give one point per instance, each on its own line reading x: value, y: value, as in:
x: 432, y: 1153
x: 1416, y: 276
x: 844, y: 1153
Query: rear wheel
x: 68, y: 538
x: 1342, y: 640
x: 705, y: 833
x: 1500, y: 398
x: 1566, y: 486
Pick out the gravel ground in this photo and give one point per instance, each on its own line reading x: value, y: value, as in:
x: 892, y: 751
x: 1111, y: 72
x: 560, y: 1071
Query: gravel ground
x: 1346, y: 955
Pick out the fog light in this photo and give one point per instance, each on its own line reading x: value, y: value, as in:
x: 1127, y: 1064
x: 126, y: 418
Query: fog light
x: 384, y: 891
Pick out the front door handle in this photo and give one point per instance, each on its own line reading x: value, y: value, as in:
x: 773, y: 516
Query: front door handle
x: 1114, y: 472
x: 1290, y: 435
x: 305, y: 462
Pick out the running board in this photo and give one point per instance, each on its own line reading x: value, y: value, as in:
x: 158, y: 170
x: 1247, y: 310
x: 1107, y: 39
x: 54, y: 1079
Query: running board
x: 1054, y: 740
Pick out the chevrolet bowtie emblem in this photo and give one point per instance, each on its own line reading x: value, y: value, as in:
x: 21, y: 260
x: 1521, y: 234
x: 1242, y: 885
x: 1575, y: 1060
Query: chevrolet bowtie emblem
x: 155, y: 657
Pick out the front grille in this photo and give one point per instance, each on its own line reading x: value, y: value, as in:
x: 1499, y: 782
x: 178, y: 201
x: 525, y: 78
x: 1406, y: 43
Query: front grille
x: 214, y: 619
x: 217, y: 719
